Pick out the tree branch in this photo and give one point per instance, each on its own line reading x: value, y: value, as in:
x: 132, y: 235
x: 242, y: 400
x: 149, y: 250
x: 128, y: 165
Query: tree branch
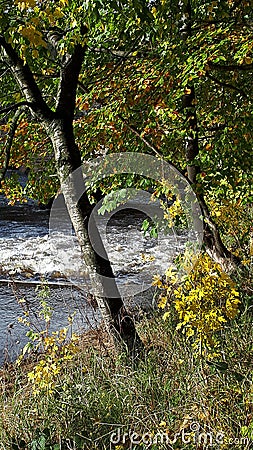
x: 227, y: 85
x: 152, y: 146
x: 143, y: 139
x: 69, y: 80
x: 14, y: 106
x: 230, y: 67
x: 26, y: 81
x: 8, y: 144
x: 123, y: 55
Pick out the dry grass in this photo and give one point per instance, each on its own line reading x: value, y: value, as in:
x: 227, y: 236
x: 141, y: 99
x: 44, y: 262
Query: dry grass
x: 100, y: 391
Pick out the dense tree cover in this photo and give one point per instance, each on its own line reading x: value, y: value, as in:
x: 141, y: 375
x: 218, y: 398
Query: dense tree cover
x: 166, y: 78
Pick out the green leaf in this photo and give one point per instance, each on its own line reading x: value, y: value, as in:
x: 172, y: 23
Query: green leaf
x: 39, y: 444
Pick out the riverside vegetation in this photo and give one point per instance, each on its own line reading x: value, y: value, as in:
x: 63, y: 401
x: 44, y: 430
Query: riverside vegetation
x: 168, y: 78
x: 192, y: 387
x: 77, y: 392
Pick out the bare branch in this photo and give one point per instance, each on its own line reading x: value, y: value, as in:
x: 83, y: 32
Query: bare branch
x: 14, y: 106
x: 227, y: 85
x: 151, y: 146
x: 4, y: 71
x: 139, y: 135
x: 83, y: 88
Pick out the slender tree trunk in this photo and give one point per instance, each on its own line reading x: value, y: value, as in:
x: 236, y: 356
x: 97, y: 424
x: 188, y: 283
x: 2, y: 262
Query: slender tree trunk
x: 67, y: 156
x: 8, y: 144
x: 212, y: 239
x: 213, y: 242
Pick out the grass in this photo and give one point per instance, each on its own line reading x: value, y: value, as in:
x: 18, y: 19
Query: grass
x: 170, y: 392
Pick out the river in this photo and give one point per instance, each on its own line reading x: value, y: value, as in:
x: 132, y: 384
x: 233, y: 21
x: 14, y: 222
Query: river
x: 30, y: 255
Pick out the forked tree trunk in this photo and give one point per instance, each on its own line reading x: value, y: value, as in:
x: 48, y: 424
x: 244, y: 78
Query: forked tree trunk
x: 59, y: 127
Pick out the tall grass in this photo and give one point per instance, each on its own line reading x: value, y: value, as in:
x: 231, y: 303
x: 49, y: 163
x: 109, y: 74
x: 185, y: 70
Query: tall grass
x: 170, y: 392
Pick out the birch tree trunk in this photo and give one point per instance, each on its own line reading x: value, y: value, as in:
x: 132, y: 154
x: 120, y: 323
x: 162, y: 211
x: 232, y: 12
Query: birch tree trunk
x: 59, y: 127
x: 67, y: 156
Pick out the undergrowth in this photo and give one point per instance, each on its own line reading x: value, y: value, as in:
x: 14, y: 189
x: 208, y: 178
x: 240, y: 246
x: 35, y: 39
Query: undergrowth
x: 101, y: 400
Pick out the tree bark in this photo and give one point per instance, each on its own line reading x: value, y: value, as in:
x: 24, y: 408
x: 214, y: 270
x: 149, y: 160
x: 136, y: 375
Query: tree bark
x: 213, y: 242
x: 212, y: 238
x: 191, y: 140
x: 59, y: 127
x: 67, y: 156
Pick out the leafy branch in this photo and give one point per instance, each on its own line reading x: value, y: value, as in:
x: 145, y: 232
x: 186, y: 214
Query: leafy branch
x: 230, y: 67
x: 227, y: 85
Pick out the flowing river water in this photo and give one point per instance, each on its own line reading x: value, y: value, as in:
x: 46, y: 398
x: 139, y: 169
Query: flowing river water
x: 29, y: 254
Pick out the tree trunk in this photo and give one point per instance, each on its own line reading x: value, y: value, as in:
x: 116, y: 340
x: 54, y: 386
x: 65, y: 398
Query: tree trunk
x: 212, y: 239
x: 213, y: 242
x: 67, y: 156
x: 59, y: 127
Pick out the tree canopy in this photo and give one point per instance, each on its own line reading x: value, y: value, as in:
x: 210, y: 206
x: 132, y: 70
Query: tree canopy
x: 141, y: 59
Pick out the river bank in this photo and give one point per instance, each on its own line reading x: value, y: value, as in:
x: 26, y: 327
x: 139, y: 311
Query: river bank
x: 101, y: 400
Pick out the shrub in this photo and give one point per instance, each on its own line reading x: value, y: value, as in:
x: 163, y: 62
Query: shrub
x: 205, y: 298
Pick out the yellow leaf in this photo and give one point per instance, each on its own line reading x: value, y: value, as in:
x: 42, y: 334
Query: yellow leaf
x: 154, y: 11
x: 170, y: 273
x: 74, y: 23
x: 58, y: 13
x: 248, y: 60
x: 162, y: 302
x: 26, y: 4
x: 251, y: 247
x: 162, y: 424
x: 190, y: 332
x: 166, y: 315
x: 157, y: 281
